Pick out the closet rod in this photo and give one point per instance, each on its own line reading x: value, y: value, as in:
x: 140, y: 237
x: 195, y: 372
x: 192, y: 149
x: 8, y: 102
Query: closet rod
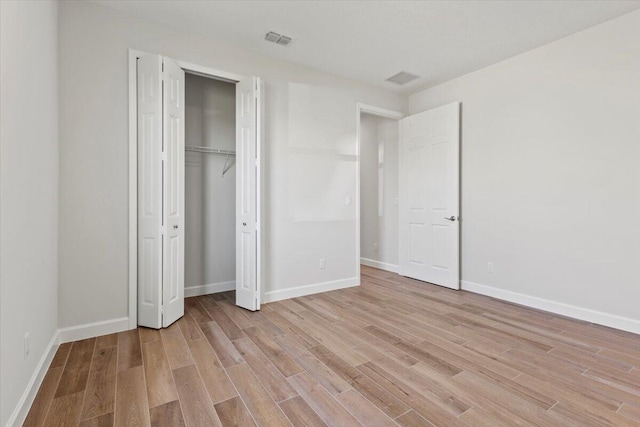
x: 208, y: 150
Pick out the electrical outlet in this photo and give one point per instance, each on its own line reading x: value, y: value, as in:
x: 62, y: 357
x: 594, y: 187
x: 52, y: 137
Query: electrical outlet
x: 375, y: 247
x: 347, y: 200
x: 323, y: 263
x: 27, y: 348
x: 490, y: 267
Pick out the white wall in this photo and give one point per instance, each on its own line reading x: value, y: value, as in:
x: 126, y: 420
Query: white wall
x: 310, y: 156
x: 210, y: 198
x: 379, y: 189
x: 551, y: 169
x: 29, y: 192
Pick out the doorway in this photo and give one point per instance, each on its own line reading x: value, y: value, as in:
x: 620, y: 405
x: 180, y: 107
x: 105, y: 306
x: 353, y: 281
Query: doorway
x: 378, y: 161
x: 409, y: 193
x: 195, y: 165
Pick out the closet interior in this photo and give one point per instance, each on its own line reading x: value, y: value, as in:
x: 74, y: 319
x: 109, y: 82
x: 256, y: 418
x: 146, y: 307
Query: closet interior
x: 210, y: 185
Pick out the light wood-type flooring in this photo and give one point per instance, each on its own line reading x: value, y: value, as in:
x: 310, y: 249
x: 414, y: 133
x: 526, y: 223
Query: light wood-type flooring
x: 393, y: 351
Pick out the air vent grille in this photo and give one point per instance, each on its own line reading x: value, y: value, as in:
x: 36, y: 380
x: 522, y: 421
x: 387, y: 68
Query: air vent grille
x: 402, y: 78
x: 278, y: 38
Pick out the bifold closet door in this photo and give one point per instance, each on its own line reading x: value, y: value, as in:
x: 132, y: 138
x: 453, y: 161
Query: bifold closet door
x: 160, y: 118
x: 248, y: 140
x: 429, y: 196
x: 174, y: 188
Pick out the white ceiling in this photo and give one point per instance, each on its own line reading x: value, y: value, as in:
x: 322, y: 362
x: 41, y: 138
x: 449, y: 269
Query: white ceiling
x: 373, y: 40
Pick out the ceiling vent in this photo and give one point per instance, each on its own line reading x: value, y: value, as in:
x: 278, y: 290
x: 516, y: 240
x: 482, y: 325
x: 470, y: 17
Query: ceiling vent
x: 278, y: 38
x: 402, y: 78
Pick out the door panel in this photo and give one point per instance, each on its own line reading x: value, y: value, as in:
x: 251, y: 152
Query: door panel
x: 174, y: 182
x: 149, y: 106
x: 248, y: 110
x: 429, y: 194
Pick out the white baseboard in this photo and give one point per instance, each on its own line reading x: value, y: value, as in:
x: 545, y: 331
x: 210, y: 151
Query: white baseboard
x: 26, y: 400
x: 211, y: 288
x: 90, y: 330
x: 379, y: 264
x: 300, y: 291
x: 586, y: 314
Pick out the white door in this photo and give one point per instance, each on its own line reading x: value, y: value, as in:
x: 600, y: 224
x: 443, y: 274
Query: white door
x: 248, y: 135
x: 429, y: 196
x: 174, y: 187
x: 160, y: 191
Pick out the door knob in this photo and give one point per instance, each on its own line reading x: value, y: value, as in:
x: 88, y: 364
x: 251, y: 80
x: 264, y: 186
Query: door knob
x: 451, y: 218
x: 244, y: 224
x: 175, y: 226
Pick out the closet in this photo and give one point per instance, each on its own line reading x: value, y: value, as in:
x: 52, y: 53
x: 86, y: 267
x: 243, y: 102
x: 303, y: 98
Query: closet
x: 197, y: 168
x: 210, y: 185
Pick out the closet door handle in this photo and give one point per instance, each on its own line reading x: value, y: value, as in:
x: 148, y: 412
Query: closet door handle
x: 175, y: 226
x: 244, y: 224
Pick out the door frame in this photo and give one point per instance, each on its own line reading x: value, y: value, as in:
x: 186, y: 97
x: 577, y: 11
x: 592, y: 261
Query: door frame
x: 133, y: 164
x: 376, y: 111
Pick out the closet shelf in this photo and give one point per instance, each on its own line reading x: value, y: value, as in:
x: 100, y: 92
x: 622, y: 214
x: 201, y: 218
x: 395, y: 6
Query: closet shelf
x: 208, y: 150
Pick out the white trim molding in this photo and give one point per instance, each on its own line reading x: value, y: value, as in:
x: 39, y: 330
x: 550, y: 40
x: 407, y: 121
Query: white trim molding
x: 95, y: 329
x: 21, y: 410
x: 211, y: 288
x: 314, y: 288
x: 379, y: 265
x: 586, y: 314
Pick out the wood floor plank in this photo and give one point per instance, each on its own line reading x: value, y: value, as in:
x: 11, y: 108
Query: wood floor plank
x: 413, y: 419
x: 42, y: 401
x: 233, y: 412
x: 220, y: 343
x: 331, y: 381
x: 60, y: 359
x: 364, y: 411
x: 627, y: 358
x: 632, y: 412
x: 129, y: 350
x: 132, y: 407
x: 274, y: 352
x: 260, y: 404
x: 100, y: 394
x: 331, y: 412
x: 148, y: 335
x: 380, y: 397
x: 267, y: 373
x: 76, y: 370
x: 189, y: 328
x: 523, y: 411
x: 176, y: 347
x: 291, y: 329
x: 65, y: 410
x: 240, y: 317
x: 300, y: 413
x: 211, y: 371
x: 159, y: 380
x: 227, y: 325
x: 106, y: 341
x: 198, y: 408
x: 262, y: 322
x: 477, y: 417
x: 167, y: 415
x: 588, y: 417
x: 105, y: 420
x: 193, y: 307
x: 409, y: 396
